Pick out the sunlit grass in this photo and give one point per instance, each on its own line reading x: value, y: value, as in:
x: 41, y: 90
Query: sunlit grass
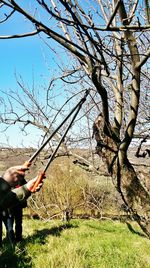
x: 80, y: 244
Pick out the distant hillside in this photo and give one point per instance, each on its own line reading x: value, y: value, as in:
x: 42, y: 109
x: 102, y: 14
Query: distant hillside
x: 11, y: 156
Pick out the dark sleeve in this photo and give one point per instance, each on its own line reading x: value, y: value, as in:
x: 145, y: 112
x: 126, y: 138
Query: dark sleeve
x: 10, y: 198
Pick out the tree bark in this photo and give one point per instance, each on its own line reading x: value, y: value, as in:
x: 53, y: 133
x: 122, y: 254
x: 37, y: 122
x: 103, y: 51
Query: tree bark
x: 133, y: 193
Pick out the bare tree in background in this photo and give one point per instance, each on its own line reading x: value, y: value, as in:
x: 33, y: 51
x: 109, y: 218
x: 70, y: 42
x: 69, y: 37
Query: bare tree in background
x: 110, y: 41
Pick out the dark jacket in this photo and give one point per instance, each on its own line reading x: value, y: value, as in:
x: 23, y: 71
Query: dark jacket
x: 10, y: 198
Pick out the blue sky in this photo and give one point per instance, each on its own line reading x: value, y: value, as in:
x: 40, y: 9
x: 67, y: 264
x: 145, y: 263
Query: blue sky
x: 27, y: 57
x: 23, y: 56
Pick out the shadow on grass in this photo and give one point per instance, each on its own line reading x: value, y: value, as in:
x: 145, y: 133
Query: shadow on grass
x: 14, y: 258
x: 115, y: 230
x: 102, y: 228
x: 131, y: 229
x: 20, y: 258
x: 40, y: 235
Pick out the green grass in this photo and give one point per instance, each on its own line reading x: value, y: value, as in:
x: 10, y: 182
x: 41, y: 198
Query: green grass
x: 80, y: 244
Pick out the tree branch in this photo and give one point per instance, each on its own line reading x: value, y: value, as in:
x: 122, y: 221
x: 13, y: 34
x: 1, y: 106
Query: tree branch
x: 71, y: 46
x: 7, y: 16
x: 114, y: 13
x: 19, y: 35
x: 144, y: 60
x: 135, y: 86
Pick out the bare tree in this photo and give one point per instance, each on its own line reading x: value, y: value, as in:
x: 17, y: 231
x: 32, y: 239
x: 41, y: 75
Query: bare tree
x: 63, y: 194
x: 109, y: 39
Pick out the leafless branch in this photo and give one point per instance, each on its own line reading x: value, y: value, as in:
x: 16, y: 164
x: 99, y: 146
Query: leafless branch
x: 113, y: 15
x: 144, y: 60
x: 19, y: 35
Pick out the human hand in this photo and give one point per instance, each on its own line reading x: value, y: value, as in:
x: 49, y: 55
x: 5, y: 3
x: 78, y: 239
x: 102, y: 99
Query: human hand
x: 20, y: 170
x: 13, y: 174
x: 35, y: 184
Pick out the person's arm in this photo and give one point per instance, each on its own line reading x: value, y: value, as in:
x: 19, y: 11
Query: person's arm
x: 22, y: 192
x: 10, y: 198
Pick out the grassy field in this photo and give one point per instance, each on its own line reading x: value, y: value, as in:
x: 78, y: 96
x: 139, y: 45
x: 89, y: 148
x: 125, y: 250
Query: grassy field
x: 79, y: 244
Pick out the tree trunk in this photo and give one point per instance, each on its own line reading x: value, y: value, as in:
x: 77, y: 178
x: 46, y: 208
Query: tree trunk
x: 133, y: 193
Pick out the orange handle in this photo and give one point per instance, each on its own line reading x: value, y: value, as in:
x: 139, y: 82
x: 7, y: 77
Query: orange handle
x: 40, y: 178
x: 27, y: 164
